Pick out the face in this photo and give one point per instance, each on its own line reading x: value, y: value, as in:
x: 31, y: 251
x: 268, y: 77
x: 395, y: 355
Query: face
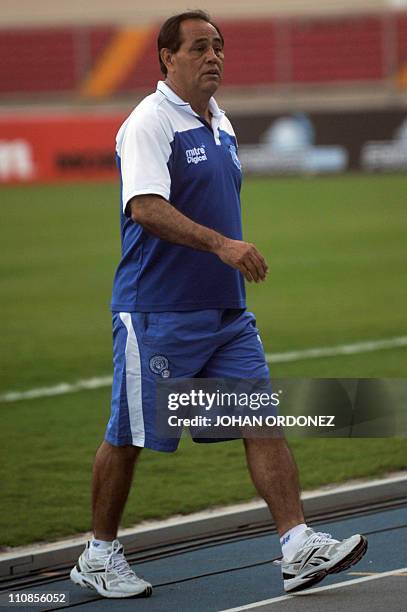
x: 197, y: 66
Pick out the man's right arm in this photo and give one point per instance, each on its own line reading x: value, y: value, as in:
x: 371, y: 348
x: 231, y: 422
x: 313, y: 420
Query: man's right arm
x: 163, y: 220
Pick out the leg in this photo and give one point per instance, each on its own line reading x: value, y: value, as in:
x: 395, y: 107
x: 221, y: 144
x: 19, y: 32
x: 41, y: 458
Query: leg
x: 313, y: 555
x: 112, y: 477
x: 274, y: 474
x: 271, y: 465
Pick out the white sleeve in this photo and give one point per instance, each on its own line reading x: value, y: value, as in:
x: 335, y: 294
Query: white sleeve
x: 144, y: 150
x: 229, y: 128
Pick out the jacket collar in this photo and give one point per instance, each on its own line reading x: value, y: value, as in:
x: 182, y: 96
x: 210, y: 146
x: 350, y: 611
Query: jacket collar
x: 172, y: 97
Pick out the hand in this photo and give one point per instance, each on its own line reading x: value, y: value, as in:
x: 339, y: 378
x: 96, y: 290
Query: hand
x: 244, y: 257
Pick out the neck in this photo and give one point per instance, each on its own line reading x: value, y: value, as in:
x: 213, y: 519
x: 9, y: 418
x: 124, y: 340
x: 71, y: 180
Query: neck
x: 199, y: 103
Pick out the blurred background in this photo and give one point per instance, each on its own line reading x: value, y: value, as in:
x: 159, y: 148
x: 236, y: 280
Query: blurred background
x: 317, y: 94
x: 337, y: 71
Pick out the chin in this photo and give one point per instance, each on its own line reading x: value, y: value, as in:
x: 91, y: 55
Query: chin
x: 211, y: 87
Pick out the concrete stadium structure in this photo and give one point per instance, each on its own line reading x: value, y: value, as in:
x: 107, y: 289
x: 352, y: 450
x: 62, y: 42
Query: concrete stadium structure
x: 48, y: 12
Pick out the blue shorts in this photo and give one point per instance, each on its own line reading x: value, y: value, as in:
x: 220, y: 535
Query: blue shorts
x: 195, y: 344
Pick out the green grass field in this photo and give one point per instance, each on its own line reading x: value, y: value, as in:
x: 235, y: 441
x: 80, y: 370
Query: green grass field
x: 337, y: 253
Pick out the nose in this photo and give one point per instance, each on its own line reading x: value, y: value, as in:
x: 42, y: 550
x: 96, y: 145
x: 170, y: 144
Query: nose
x: 211, y: 55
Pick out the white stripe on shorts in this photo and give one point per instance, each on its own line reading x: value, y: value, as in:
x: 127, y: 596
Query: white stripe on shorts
x: 133, y: 382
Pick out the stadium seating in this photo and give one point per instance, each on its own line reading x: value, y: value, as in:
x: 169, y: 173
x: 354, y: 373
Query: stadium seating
x: 337, y: 50
x: 299, y: 50
x: 402, y: 38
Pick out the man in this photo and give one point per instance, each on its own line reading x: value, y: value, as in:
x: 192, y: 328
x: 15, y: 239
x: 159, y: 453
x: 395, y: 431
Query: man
x: 179, y: 305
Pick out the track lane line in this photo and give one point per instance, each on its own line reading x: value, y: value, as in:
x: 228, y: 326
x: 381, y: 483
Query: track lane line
x: 308, y: 592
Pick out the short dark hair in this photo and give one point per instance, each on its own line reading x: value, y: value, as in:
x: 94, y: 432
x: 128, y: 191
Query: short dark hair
x: 169, y: 36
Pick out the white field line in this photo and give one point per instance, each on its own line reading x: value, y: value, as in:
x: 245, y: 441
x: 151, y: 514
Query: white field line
x: 60, y: 389
x: 309, y: 592
x: 313, y: 353
x: 334, y: 351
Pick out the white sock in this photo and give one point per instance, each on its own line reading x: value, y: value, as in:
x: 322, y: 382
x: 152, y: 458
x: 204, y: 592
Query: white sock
x: 291, y: 540
x: 98, y: 546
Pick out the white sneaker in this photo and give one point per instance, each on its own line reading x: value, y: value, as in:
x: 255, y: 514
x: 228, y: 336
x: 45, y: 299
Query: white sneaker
x: 109, y: 574
x: 318, y: 556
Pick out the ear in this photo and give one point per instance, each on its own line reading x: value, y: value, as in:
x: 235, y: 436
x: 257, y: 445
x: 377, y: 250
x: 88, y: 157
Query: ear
x: 167, y: 59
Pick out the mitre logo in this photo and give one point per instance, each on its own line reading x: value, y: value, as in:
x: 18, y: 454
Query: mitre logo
x: 196, y: 155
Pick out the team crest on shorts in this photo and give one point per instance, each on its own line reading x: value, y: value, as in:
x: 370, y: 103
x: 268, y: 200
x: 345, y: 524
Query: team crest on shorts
x: 159, y: 365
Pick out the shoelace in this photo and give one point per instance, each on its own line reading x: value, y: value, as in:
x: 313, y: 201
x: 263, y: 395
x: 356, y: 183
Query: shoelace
x: 316, y: 538
x: 117, y: 561
x: 319, y: 538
